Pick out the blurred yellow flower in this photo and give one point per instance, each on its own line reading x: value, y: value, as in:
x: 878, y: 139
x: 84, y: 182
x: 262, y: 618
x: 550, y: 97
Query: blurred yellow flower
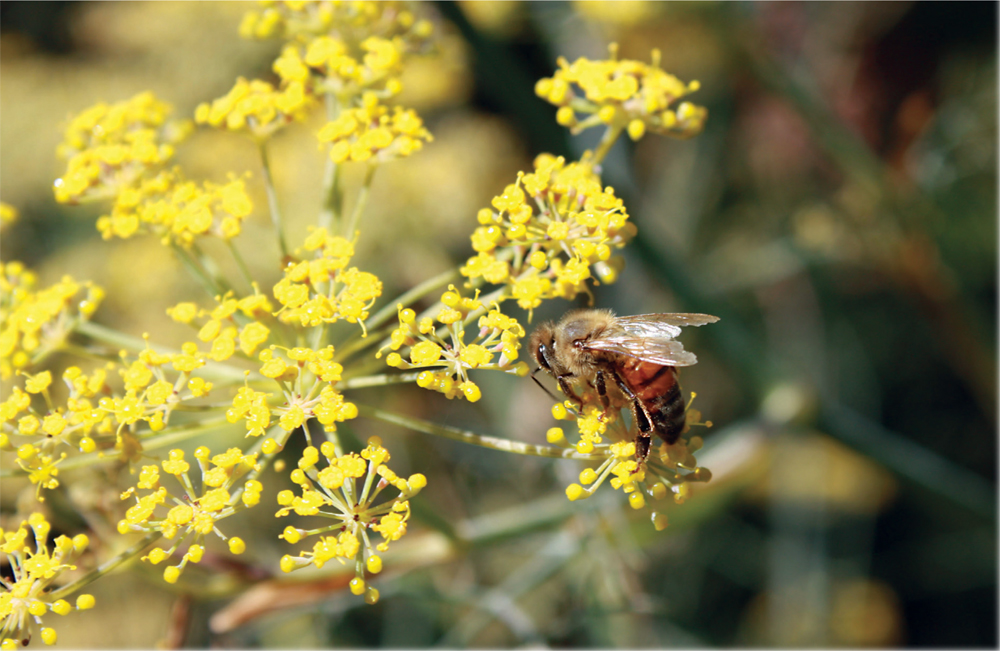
x: 34, y: 323
x: 110, y: 147
x: 623, y: 94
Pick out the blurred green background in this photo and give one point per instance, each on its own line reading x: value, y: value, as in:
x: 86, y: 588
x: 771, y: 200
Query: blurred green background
x: 839, y: 213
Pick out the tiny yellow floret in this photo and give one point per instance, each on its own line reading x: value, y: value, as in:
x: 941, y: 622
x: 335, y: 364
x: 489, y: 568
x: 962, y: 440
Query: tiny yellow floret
x: 237, y: 546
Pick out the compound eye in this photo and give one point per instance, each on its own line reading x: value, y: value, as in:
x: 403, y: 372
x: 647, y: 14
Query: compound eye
x: 543, y: 356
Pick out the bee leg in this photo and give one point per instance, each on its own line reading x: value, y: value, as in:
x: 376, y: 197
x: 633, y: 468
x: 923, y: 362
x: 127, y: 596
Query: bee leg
x: 567, y: 391
x: 602, y: 391
x: 642, y: 443
x: 642, y: 418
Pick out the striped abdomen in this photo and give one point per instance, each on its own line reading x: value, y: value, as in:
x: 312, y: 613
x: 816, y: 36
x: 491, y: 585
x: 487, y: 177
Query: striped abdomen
x: 656, y: 389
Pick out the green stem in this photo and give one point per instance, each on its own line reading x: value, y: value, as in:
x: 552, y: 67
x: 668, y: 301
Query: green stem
x: 359, y: 342
x: 319, y: 332
x: 363, y: 368
x: 241, y: 263
x: 377, y: 380
x: 491, y: 442
x: 150, y: 440
x: 272, y: 198
x: 82, y: 352
x: 200, y: 274
x: 329, y: 214
x: 412, y: 296
x: 608, y: 141
x: 211, y: 371
x: 262, y: 465
x: 211, y: 268
x: 364, y: 192
x: 106, y: 567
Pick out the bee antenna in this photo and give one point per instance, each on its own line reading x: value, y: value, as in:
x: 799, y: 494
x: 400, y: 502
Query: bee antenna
x: 544, y: 388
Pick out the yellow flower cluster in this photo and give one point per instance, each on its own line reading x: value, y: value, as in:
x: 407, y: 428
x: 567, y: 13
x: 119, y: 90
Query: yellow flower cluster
x: 333, y: 67
x: 110, y: 147
x: 50, y: 429
x: 324, y: 290
x: 257, y: 107
x: 151, y: 395
x: 35, y: 323
x: 545, y: 236
x: 114, y: 152
x: 222, y: 327
x: 24, y: 594
x: 196, y: 513
x: 355, y: 33
x: 547, y: 231
x: 626, y: 94
x: 344, y: 491
x: 370, y: 133
x: 447, y: 349
x: 353, y: 52
x: 307, y: 379
x: 669, y: 469
x: 177, y: 210
x: 95, y: 418
x: 302, y: 18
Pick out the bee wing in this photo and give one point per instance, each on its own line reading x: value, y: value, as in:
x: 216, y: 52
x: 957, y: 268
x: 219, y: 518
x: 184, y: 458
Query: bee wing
x: 662, y: 326
x: 650, y: 337
x: 656, y: 349
x: 662, y: 323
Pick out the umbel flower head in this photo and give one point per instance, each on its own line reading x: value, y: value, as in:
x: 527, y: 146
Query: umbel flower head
x: 195, y: 513
x: 95, y: 417
x: 622, y: 94
x: 232, y: 325
x: 344, y: 49
x: 344, y: 491
x: 109, y: 147
x: 302, y: 19
x: 323, y: 289
x: 177, y: 210
x: 307, y: 379
x: 24, y: 596
x: 549, y: 232
x: 371, y: 133
x: 34, y: 322
x: 256, y: 107
x: 42, y: 432
x: 442, y: 345
x: 667, y: 471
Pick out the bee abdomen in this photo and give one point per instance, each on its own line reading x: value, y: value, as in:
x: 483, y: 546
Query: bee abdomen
x: 668, y: 414
x: 656, y: 387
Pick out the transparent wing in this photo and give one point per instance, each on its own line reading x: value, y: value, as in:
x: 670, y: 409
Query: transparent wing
x: 657, y: 349
x: 666, y: 324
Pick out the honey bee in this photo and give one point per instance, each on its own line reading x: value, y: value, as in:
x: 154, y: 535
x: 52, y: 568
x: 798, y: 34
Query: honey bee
x: 634, y: 355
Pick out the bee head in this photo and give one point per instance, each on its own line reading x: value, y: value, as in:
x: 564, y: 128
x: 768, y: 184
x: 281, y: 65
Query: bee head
x: 543, y: 347
x: 543, y: 350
